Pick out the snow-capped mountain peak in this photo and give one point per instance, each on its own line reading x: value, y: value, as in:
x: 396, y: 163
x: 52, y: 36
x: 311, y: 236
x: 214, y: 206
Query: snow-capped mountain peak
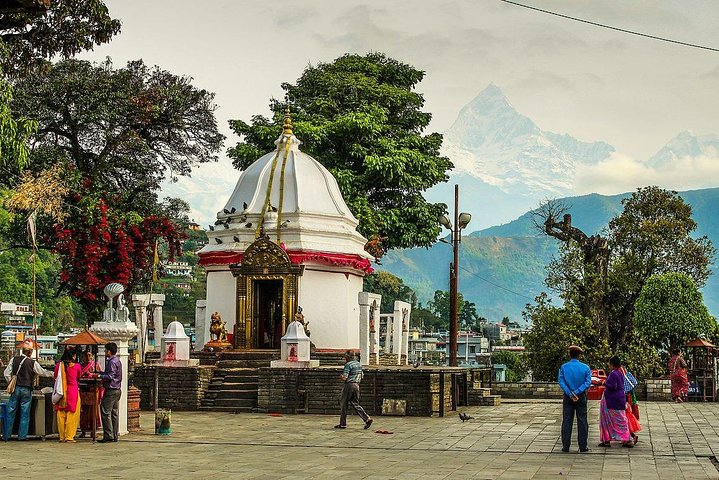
x: 493, y: 142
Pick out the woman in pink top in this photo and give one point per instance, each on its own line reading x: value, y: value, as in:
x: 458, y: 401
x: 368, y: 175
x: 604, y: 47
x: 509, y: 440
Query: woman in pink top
x: 68, y: 408
x: 89, y: 399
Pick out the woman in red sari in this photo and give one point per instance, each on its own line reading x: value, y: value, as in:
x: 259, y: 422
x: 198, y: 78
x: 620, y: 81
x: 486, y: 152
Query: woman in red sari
x: 89, y: 400
x: 679, y: 377
x: 68, y: 408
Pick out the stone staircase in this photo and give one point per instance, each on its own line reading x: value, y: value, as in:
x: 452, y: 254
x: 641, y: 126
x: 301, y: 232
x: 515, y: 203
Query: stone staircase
x: 482, y: 397
x: 234, y: 383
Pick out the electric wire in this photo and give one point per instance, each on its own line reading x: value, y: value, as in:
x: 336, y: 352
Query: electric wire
x: 610, y: 27
x: 496, y: 285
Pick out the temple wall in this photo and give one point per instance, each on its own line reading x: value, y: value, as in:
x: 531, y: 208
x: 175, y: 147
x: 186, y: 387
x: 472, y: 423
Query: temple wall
x: 317, y: 390
x: 222, y: 298
x: 329, y: 302
x: 180, y: 388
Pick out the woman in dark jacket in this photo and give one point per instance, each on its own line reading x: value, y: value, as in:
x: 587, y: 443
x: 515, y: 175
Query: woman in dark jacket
x: 612, y: 409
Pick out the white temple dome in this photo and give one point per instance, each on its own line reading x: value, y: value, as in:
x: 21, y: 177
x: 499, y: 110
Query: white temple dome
x: 308, y: 186
x: 303, y: 208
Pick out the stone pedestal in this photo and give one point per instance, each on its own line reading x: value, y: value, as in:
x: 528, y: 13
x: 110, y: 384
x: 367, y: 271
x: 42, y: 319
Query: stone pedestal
x: 120, y: 333
x: 369, y: 327
x: 403, y: 310
x: 295, y: 349
x: 202, y: 329
x: 140, y: 303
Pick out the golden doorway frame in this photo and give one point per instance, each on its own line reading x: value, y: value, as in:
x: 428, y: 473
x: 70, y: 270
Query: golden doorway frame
x: 263, y: 260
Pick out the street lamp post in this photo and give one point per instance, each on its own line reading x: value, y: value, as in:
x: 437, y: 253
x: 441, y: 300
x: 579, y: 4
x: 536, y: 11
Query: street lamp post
x: 461, y: 220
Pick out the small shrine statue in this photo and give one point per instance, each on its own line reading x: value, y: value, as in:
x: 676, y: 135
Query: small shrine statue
x: 218, y: 332
x: 299, y: 317
x: 122, y: 314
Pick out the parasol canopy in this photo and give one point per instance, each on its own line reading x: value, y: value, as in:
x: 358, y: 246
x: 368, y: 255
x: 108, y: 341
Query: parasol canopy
x: 85, y: 337
x: 699, y: 342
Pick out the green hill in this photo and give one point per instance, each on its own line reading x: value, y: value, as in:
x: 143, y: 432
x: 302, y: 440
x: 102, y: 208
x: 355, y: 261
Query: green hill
x: 503, y: 267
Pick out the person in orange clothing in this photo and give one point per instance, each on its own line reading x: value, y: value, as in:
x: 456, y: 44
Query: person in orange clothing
x: 68, y: 408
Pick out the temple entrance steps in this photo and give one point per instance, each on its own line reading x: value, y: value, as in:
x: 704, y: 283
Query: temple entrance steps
x: 234, y: 383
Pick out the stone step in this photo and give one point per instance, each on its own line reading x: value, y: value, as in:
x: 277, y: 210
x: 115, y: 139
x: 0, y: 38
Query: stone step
x: 248, y: 394
x: 214, y: 387
x: 490, y: 401
x: 242, y: 378
x: 228, y: 409
x: 224, y: 371
x: 244, y: 363
x: 251, y: 355
x: 235, y: 402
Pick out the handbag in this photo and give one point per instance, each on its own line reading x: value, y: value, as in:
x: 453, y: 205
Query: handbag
x: 13, y: 380
x: 629, y: 381
x: 57, y: 390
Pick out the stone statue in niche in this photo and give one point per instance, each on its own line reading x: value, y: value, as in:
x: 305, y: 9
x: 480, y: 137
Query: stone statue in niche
x: 405, y: 313
x: 372, y: 310
x: 122, y: 314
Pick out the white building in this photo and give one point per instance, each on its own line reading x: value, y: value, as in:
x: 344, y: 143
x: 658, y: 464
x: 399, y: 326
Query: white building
x: 17, y: 316
x: 470, y: 346
x: 285, y: 238
x: 178, y: 269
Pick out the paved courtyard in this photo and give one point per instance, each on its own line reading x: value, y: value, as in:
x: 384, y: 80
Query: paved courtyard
x: 512, y: 441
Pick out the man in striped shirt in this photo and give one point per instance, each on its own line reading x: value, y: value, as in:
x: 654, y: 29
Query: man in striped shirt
x: 351, y: 376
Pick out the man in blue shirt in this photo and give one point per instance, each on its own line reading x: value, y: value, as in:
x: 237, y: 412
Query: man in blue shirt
x: 575, y: 378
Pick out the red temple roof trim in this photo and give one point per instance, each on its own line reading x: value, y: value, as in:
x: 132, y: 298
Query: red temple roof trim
x: 298, y: 257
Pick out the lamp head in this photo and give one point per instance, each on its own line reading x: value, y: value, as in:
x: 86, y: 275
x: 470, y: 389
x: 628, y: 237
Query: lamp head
x: 464, y: 219
x: 444, y: 221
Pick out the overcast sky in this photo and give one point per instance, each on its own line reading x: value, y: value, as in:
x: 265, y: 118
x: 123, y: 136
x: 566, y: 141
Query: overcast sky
x: 592, y: 83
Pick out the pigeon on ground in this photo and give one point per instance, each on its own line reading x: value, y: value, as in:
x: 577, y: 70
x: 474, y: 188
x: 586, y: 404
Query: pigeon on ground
x: 211, y: 228
x: 464, y: 417
x: 236, y: 238
x: 218, y: 240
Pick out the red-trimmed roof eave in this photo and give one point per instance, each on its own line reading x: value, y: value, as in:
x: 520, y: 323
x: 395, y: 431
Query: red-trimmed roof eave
x: 297, y: 257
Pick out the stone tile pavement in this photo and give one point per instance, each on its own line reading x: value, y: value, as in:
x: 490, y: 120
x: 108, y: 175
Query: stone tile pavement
x: 511, y: 441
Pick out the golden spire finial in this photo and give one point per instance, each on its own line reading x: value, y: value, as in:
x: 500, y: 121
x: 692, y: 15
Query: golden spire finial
x: 287, y: 124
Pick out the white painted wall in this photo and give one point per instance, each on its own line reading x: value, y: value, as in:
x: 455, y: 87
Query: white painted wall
x: 329, y: 303
x: 222, y: 298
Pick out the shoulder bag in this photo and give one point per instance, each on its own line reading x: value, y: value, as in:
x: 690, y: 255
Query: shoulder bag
x: 13, y: 380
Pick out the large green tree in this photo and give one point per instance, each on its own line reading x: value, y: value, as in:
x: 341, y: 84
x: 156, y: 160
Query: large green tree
x: 361, y: 117
x: 67, y: 27
x: 554, y: 329
x: 652, y: 235
x: 670, y: 311
x: 119, y: 131
x: 391, y: 288
x: 110, y: 135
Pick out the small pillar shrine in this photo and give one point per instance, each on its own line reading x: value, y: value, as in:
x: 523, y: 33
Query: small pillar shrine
x: 285, y: 238
x: 117, y: 328
x: 295, y: 349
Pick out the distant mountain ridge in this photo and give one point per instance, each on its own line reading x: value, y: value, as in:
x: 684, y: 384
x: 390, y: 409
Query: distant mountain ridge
x: 503, y: 267
x: 505, y: 164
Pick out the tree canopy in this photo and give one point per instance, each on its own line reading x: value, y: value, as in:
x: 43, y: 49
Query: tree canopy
x: 391, y: 288
x: 651, y: 236
x: 670, y: 311
x: 361, y: 118
x: 106, y: 138
x: 68, y: 27
x: 118, y: 130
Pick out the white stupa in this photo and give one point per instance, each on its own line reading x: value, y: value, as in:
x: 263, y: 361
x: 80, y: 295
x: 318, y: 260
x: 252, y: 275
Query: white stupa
x: 285, y: 239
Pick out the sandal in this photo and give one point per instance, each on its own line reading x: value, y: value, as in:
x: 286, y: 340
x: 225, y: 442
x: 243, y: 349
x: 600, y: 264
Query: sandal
x: 628, y: 444
x: 636, y: 438
x: 605, y: 444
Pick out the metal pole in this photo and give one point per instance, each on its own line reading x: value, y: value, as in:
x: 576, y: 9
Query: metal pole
x: 454, y: 316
